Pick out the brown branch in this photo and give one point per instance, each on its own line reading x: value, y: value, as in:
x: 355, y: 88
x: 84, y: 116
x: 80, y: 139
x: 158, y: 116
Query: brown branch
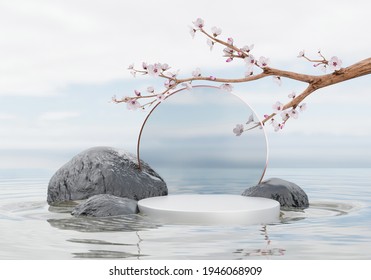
x: 356, y: 70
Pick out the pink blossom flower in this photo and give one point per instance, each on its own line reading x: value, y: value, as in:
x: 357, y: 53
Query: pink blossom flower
x: 335, y: 63
x: 277, y: 80
x: 226, y: 87
x: 199, y: 23
x: 278, y: 106
x: 229, y: 59
x: 293, y: 113
x: 216, y: 31
x: 301, y: 53
x: 238, y: 130
x: 133, y: 104
x: 196, y: 73
x: 263, y: 61
x: 230, y: 41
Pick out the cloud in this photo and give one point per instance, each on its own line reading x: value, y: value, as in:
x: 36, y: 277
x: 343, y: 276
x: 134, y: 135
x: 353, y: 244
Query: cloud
x: 7, y: 117
x: 58, y: 116
x: 47, y: 46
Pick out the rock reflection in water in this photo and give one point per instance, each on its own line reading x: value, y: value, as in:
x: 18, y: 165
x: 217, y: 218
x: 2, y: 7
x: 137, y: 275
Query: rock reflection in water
x: 94, y: 224
x: 266, y: 251
x: 110, y: 254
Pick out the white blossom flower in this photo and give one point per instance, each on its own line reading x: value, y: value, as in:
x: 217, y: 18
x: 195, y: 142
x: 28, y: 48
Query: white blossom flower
x: 249, y: 73
x: 276, y: 125
x: 301, y: 53
x: 192, y: 31
x: 196, y: 73
x: 171, y: 74
x: 133, y: 104
x: 133, y: 73
x: 323, y: 68
x: 212, y: 78
x: 137, y: 92
x: 226, y: 87
x: 303, y: 107
x: 278, y: 106
x: 216, y: 31
x: 263, y: 61
x: 228, y: 51
x: 293, y: 113
x: 277, y: 80
x: 292, y: 95
x: 285, y: 116
x: 250, y: 60
x: 164, y: 67
x: 144, y: 65
x: 199, y: 23
x: 169, y: 83
x: 247, y: 48
x: 160, y: 97
x: 230, y: 41
x: 150, y: 89
x: 238, y: 130
x: 187, y: 85
x: 335, y: 63
x: 251, y: 119
x: 210, y: 43
x: 153, y: 70
x: 131, y: 66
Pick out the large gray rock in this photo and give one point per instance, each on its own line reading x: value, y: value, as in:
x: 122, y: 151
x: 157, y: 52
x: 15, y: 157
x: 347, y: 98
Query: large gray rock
x: 104, y: 205
x: 104, y: 170
x: 289, y: 195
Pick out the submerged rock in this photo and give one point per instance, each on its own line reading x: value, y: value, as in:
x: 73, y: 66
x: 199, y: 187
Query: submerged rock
x: 289, y: 195
x: 104, y: 170
x: 104, y: 205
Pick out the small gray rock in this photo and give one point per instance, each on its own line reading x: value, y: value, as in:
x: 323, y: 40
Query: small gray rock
x: 289, y: 195
x: 104, y: 170
x: 104, y: 205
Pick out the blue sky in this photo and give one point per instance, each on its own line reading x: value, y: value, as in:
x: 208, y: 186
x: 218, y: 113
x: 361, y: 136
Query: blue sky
x: 62, y: 61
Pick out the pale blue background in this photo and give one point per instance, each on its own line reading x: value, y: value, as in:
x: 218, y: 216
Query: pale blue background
x: 62, y: 61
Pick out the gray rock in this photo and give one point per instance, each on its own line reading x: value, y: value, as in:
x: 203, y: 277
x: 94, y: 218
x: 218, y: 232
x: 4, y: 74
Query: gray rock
x: 104, y: 205
x: 289, y: 195
x: 104, y: 170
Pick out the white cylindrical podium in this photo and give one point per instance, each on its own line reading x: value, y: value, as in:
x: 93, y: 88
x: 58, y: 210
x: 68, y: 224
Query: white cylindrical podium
x: 197, y: 209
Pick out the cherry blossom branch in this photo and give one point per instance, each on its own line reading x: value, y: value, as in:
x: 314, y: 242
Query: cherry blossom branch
x: 231, y: 51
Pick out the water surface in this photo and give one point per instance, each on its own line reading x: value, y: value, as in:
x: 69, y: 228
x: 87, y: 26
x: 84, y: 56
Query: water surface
x: 337, y: 225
